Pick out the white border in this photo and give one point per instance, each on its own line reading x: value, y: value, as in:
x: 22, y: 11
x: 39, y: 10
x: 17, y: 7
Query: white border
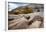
x: 6, y: 14
x: 21, y: 29
x: 2, y: 12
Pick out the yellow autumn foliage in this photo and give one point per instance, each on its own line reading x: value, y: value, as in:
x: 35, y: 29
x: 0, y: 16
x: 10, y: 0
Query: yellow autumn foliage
x: 22, y: 10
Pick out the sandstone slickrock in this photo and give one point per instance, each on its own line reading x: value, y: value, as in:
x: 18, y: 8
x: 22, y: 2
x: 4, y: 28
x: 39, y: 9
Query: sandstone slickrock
x: 22, y: 23
x: 26, y: 17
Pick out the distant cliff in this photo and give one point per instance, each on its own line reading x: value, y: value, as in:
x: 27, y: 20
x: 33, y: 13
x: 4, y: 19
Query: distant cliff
x: 22, y: 10
x: 27, y: 9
